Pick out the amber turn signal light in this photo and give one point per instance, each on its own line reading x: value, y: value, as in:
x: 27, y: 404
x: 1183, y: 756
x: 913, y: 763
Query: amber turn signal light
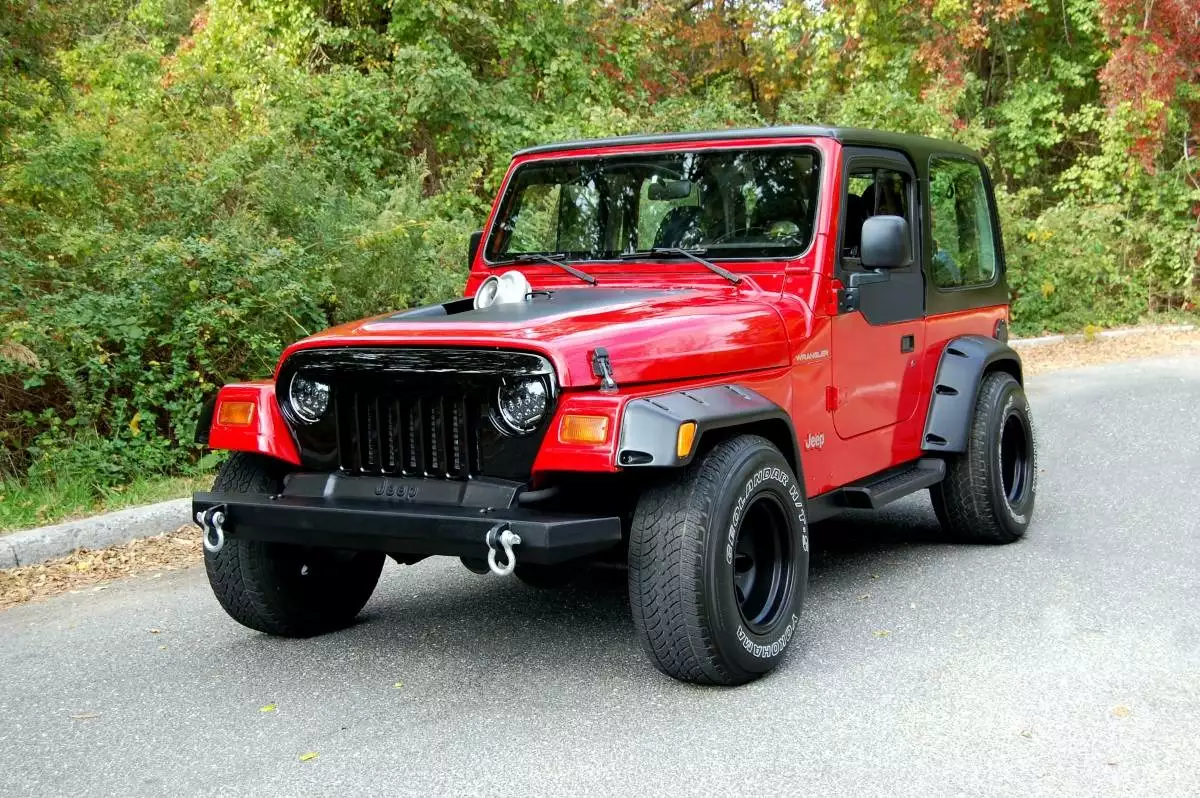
x: 583, y: 429
x: 687, y: 436
x: 235, y: 414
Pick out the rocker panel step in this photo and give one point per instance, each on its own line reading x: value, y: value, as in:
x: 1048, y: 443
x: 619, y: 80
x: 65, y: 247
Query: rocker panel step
x: 877, y: 490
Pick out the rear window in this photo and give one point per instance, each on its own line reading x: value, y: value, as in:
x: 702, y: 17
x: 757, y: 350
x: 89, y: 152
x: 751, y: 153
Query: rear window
x: 964, y: 240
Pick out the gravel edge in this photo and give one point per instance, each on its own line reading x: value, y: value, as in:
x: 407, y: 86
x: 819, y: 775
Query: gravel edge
x: 1045, y: 340
x: 97, y: 532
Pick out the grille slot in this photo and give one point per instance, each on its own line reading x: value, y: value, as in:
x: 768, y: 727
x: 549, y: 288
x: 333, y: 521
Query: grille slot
x: 417, y: 436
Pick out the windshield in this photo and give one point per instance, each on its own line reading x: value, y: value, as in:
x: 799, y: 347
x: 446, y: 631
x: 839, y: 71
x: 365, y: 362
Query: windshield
x: 725, y: 203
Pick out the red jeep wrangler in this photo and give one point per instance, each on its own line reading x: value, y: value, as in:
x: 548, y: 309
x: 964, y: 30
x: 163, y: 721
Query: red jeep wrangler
x: 677, y: 351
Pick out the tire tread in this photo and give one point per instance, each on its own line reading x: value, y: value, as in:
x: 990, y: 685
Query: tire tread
x: 243, y: 578
x: 666, y: 579
x: 963, y: 502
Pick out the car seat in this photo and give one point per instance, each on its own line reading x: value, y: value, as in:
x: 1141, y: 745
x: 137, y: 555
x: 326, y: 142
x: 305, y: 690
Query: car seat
x: 680, y: 228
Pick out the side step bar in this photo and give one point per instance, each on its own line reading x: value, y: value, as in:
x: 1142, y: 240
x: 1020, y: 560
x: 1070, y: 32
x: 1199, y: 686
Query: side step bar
x: 875, y: 491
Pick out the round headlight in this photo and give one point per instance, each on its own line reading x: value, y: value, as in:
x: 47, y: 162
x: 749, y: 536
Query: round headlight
x: 522, y: 404
x: 309, y: 398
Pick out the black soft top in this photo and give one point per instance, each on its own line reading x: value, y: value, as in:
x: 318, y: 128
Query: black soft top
x: 917, y: 147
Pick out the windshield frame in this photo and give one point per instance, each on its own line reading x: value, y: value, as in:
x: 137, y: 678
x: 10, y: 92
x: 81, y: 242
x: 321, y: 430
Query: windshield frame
x: 504, y: 197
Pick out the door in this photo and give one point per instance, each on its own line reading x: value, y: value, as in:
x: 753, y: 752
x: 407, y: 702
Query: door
x: 877, y: 346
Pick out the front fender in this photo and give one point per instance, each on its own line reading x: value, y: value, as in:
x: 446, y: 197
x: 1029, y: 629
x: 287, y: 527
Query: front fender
x: 650, y: 426
x: 960, y: 371
x: 266, y: 433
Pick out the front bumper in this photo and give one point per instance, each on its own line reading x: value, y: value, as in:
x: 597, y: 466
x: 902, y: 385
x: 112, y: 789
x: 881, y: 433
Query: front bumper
x: 407, y: 528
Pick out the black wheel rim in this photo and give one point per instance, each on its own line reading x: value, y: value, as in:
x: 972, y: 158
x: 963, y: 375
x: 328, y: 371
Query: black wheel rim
x: 1014, y: 459
x: 762, y: 563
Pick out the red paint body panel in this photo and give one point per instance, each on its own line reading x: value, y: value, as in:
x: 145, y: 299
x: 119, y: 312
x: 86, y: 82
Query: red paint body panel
x: 877, y: 384
x: 886, y: 446
x: 775, y: 384
x: 267, y: 432
x: 858, y: 404
x: 718, y: 330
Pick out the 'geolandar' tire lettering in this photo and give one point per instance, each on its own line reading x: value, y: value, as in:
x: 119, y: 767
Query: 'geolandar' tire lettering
x: 718, y: 564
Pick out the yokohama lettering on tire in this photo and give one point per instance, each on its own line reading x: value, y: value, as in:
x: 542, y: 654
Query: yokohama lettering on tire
x: 719, y: 564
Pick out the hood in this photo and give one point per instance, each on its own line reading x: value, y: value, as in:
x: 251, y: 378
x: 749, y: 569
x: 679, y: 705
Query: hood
x: 650, y: 335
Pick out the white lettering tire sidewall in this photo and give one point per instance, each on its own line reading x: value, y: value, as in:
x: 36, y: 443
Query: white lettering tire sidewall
x: 764, y: 471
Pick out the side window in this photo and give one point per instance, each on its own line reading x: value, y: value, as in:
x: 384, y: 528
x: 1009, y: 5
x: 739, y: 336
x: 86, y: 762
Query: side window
x: 872, y: 192
x: 964, y: 245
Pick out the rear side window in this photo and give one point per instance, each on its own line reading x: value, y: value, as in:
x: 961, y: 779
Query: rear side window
x: 964, y: 243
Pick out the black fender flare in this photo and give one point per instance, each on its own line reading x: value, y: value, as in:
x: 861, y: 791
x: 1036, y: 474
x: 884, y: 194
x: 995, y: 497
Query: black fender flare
x: 960, y: 371
x: 204, y: 422
x: 650, y: 426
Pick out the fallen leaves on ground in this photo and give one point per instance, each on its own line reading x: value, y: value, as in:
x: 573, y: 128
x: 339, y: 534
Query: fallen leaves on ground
x: 91, y: 569
x: 1070, y: 354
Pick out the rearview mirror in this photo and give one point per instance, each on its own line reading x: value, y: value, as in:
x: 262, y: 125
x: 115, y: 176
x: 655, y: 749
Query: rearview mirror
x: 473, y: 248
x: 669, y: 189
x: 884, y: 243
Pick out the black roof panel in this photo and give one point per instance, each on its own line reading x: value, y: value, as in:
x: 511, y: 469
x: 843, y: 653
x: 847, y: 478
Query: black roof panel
x: 914, y: 145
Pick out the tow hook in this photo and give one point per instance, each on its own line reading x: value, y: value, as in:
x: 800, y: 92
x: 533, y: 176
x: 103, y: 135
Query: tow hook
x: 501, y: 537
x: 212, y: 522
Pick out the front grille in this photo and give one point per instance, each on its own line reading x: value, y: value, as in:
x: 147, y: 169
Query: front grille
x: 414, y: 412
x: 433, y: 435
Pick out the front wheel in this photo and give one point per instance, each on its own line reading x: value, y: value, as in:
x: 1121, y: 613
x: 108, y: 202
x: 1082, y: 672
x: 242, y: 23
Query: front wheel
x: 279, y: 588
x: 989, y: 490
x: 718, y: 564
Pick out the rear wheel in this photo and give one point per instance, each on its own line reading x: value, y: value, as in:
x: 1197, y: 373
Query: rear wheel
x: 280, y: 588
x: 718, y: 564
x: 989, y: 490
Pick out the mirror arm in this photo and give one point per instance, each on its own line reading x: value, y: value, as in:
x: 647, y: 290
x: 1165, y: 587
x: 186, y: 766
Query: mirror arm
x: 866, y: 278
x: 473, y: 248
x: 848, y: 298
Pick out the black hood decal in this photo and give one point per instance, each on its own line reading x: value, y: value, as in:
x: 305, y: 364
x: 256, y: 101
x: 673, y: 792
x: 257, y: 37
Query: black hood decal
x: 539, y: 305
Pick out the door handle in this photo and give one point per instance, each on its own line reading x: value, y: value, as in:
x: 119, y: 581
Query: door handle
x: 907, y: 343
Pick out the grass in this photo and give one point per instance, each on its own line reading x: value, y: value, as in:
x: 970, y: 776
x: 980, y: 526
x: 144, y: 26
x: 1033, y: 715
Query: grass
x: 30, y: 504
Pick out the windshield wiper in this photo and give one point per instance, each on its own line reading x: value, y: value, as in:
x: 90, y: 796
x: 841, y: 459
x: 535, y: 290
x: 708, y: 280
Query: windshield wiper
x: 693, y: 254
x: 526, y: 257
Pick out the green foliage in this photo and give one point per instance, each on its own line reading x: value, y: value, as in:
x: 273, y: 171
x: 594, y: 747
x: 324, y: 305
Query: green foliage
x: 188, y: 185
x: 34, y: 503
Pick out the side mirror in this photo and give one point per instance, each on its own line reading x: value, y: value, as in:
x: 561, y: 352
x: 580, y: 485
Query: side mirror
x: 885, y: 243
x: 473, y: 248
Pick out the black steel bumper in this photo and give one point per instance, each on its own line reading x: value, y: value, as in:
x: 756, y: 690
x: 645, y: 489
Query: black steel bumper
x: 408, y: 528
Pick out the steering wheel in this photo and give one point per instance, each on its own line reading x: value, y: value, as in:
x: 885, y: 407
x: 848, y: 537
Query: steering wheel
x: 738, y: 233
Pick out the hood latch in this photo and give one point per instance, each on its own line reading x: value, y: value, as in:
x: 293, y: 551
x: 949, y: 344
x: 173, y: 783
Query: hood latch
x: 602, y: 368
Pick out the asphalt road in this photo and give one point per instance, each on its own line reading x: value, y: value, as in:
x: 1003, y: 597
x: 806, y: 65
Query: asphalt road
x: 1068, y: 663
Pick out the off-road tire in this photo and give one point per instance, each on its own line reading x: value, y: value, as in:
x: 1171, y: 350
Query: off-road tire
x: 683, y: 590
x: 279, y: 588
x: 975, y: 503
